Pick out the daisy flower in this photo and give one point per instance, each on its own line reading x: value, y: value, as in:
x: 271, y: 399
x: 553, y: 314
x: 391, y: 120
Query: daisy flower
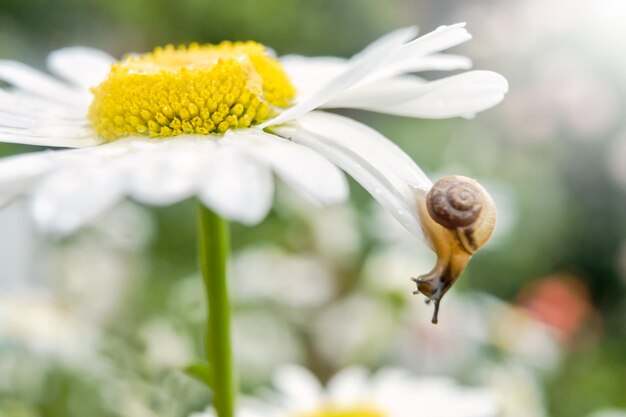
x: 355, y: 393
x: 216, y: 121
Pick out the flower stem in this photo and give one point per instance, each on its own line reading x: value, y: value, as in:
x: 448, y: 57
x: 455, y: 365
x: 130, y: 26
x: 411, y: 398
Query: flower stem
x: 213, y: 249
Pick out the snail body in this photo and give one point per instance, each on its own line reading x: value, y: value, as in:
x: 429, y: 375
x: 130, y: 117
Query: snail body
x: 458, y: 217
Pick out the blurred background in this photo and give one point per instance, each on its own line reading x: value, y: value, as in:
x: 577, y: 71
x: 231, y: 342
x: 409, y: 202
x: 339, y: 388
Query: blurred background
x: 102, y: 324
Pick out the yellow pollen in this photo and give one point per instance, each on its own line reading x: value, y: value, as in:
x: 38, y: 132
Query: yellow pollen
x: 190, y: 90
x: 356, y: 411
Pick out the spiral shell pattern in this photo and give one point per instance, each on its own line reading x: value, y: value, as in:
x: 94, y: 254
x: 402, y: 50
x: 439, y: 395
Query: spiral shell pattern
x: 454, y: 202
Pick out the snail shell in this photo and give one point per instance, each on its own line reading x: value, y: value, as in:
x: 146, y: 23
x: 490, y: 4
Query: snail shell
x: 463, y: 206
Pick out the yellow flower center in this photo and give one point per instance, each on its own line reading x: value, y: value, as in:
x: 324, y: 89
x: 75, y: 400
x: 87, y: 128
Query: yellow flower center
x: 192, y: 90
x: 356, y: 411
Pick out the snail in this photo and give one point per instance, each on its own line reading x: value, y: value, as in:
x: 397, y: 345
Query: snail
x: 457, y: 216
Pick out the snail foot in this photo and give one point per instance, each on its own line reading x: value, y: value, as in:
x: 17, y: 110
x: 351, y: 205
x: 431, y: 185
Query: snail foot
x: 432, y: 286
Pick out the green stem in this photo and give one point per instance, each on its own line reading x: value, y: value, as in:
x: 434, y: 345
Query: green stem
x: 213, y: 249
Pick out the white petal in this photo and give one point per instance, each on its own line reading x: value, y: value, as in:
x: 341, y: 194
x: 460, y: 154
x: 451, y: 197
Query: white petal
x: 299, y: 386
x: 236, y: 187
x: 33, y: 121
x: 303, y: 169
x: 391, y: 389
x: 309, y: 75
x: 459, y: 95
x: 245, y: 412
x: 65, y: 136
x: 170, y: 172
x: 19, y: 173
x: 66, y: 200
x: 404, y: 59
x: 362, y: 65
x: 382, y: 93
x: 381, y: 167
x: 85, y: 67
x: 17, y: 103
x: 403, y: 35
x: 348, y: 386
x: 437, y: 62
x: 40, y: 84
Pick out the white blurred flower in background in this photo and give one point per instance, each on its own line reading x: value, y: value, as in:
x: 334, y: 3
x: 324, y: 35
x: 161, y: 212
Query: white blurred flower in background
x: 519, y: 392
x: 37, y: 321
x: 57, y: 312
x: 335, y: 230
x: 19, y: 245
x: 353, y: 392
x: 263, y: 336
x: 523, y: 338
x: 263, y: 341
x: 453, y: 347
x: 39, y: 310
x: 476, y: 325
x: 165, y: 346
x: 96, y: 269
x: 353, y: 329
x: 88, y: 274
x: 293, y: 280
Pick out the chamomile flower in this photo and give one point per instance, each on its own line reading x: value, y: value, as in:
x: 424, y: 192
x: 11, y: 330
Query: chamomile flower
x: 34, y: 320
x: 216, y: 121
x: 354, y: 393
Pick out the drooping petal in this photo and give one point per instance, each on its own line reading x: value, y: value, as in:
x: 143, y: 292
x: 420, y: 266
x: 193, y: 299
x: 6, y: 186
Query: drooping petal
x: 236, y: 187
x: 301, y: 168
x: 40, y: 84
x: 459, y: 95
x: 380, y: 166
x: 84, y: 67
x: 361, y: 66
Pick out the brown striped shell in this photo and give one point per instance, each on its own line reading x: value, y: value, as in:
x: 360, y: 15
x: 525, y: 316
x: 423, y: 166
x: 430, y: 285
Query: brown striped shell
x: 462, y: 205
